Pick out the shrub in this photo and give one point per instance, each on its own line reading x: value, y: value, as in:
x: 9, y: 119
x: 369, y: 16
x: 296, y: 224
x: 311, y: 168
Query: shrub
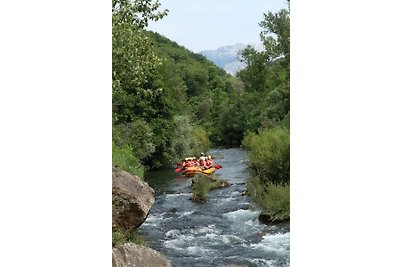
x: 269, y: 154
x: 181, y: 138
x: 137, y: 135
x: 188, y: 139
x: 201, y: 184
x: 277, y: 201
x: 255, y: 189
x: 124, y: 158
x: 200, y: 141
x: 274, y: 199
x: 120, y: 237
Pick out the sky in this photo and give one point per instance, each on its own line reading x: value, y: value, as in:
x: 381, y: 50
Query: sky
x: 210, y: 24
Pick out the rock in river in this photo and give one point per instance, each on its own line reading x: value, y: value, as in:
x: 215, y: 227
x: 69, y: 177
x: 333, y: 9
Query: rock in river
x: 132, y: 200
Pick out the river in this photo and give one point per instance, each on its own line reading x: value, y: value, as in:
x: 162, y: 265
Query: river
x: 221, y: 232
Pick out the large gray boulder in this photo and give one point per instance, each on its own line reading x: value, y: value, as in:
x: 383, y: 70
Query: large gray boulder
x: 130, y: 254
x: 132, y: 200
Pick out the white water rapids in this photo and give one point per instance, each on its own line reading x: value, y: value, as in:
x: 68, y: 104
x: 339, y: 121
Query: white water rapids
x: 221, y: 232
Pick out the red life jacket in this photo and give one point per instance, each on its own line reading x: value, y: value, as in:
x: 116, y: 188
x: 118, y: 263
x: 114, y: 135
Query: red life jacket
x: 202, y: 163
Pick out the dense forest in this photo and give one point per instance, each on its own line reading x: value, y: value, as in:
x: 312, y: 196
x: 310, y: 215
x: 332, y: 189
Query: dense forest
x: 169, y: 102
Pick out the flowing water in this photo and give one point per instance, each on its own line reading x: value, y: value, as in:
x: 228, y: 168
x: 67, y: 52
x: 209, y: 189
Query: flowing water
x: 224, y: 231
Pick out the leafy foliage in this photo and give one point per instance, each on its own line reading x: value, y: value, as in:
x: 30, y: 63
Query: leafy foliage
x: 266, y: 82
x: 124, y: 158
x: 274, y: 199
x: 202, y: 184
x: 279, y: 25
x: 138, y: 135
x: 120, y: 237
x: 267, y: 88
x: 199, y: 141
x: 197, y: 88
x: 277, y: 201
x: 266, y: 78
x: 269, y: 154
x: 136, y: 13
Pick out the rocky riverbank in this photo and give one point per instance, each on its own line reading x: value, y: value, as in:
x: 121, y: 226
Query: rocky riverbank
x: 132, y: 200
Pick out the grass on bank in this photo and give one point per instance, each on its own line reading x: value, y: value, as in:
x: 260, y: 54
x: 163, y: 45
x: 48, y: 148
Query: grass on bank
x: 274, y: 199
x: 119, y: 237
x: 124, y: 158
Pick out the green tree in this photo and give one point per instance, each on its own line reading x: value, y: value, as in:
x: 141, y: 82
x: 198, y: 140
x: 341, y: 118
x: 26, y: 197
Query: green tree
x: 266, y: 78
x: 266, y: 105
x: 276, y: 35
x: 138, y: 135
x: 134, y: 65
x: 133, y: 60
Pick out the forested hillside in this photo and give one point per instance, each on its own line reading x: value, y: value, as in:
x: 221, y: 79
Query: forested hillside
x: 167, y: 101
x: 203, y: 91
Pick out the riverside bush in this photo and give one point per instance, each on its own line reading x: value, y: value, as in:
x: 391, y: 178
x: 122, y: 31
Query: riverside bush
x: 269, y: 154
x: 277, y: 201
x: 137, y: 135
x: 120, y: 237
x: 188, y: 139
x: 124, y: 158
x: 200, y: 142
x: 274, y: 199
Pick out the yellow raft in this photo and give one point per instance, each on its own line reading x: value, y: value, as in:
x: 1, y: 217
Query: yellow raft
x: 192, y: 171
x: 209, y: 171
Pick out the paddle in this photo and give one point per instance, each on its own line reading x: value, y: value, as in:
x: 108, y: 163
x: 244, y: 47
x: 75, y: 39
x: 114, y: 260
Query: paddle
x: 218, y: 166
x: 180, y: 167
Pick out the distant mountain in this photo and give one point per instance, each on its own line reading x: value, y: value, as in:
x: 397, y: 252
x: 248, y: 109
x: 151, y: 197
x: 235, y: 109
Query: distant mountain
x: 227, y: 57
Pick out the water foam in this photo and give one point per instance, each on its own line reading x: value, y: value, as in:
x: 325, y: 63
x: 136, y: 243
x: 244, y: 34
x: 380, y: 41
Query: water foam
x: 227, y: 199
x: 196, y: 250
x: 173, y: 233
x: 206, y: 229
x: 177, y: 240
x: 186, y: 213
x: 278, y: 243
x: 167, y: 196
x: 234, y: 237
x: 242, y: 215
x: 154, y: 220
x: 174, y: 244
x: 217, y: 238
x: 263, y: 262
